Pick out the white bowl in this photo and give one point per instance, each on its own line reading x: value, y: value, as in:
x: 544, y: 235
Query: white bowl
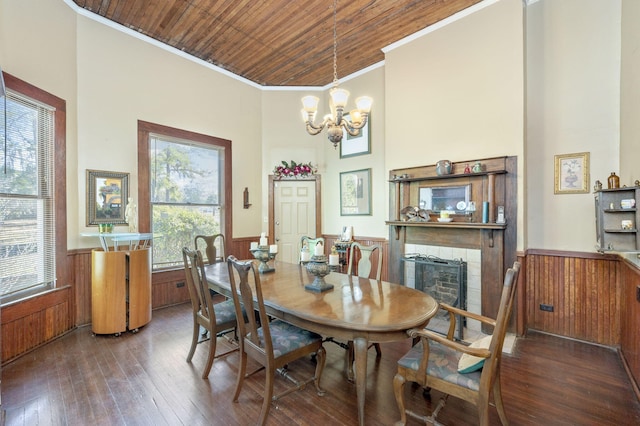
x: 444, y: 219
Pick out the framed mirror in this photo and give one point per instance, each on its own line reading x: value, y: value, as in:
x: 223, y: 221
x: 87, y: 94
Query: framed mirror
x: 107, y: 195
x: 438, y: 198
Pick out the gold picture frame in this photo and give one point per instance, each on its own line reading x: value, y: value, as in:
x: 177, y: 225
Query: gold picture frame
x: 107, y: 195
x: 571, y: 173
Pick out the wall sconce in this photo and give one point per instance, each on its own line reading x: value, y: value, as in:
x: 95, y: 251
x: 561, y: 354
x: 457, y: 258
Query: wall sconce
x: 246, y: 198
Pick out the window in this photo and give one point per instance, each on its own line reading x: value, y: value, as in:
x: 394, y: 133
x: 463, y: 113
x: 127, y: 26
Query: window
x: 187, y: 191
x: 29, y: 190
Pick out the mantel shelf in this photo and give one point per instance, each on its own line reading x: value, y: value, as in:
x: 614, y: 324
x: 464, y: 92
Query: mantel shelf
x: 457, y: 225
x: 450, y: 176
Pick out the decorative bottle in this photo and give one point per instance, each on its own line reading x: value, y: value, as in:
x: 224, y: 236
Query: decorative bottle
x: 613, y: 181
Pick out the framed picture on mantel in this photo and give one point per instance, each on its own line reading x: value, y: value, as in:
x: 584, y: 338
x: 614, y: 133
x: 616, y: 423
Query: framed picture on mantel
x: 572, y: 173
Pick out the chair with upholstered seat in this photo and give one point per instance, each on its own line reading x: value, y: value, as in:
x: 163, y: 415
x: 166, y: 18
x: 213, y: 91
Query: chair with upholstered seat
x: 311, y: 245
x: 213, y: 247
x: 471, y: 373
x: 367, y: 257
x: 216, y: 318
x: 272, y: 343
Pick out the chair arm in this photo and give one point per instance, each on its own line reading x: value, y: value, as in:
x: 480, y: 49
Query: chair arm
x: 458, y: 311
x: 459, y: 347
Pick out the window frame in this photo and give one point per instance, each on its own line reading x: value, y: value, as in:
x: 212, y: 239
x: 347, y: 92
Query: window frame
x: 60, y: 177
x: 145, y: 129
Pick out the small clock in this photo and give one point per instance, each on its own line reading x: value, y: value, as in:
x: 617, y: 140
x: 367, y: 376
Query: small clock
x: 461, y: 205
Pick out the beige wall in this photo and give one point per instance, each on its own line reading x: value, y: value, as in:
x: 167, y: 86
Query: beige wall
x: 122, y: 79
x: 38, y: 45
x: 110, y: 80
x: 457, y: 93
x: 573, y: 105
x: 630, y: 93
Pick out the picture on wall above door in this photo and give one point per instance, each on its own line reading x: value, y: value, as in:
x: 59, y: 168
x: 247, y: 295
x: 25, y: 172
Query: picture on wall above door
x: 355, y: 193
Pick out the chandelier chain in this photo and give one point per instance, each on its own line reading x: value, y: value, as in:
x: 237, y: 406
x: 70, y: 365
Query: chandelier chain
x: 335, y: 44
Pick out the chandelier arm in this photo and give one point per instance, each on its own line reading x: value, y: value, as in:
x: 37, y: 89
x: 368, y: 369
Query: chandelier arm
x: 314, y: 129
x: 352, y: 128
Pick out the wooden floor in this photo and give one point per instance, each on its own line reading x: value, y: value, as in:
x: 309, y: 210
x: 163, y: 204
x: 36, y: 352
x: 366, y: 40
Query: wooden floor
x: 143, y: 379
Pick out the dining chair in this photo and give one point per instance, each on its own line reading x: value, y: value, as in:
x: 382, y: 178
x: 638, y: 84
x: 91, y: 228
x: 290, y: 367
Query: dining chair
x: 272, y: 343
x: 310, y: 243
x: 364, y: 258
x: 217, y: 319
x: 471, y: 373
x: 213, y: 246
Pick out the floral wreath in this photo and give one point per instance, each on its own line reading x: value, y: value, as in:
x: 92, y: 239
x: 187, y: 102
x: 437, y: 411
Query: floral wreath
x: 294, y: 169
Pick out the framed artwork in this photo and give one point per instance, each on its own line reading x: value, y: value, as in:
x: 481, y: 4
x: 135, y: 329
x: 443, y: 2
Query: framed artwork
x: 355, y: 193
x: 107, y: 195
x: 356, y: 145
x: 572, y: 173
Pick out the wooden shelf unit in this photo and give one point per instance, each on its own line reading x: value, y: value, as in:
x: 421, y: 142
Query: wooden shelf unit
x: 610, y: 235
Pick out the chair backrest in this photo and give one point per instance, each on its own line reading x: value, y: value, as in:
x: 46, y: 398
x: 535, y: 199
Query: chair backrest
x: 311, y: 243
x: 501, y: 325
x: 213, y: 246
x: 241, y: 274
x: 197, y: 285
x: 365, y: 265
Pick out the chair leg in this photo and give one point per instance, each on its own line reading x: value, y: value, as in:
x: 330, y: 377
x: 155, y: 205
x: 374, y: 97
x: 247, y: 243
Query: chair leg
x: 398, y: 390
x: 212, y: 354
x: 483, y: 410
x: 497, y: 398
x: 194, y: 339
x: 268, y: 395
x: 242, y: 368
x: 378, y: 350
x: 321, y: 356
x: 350, y: 358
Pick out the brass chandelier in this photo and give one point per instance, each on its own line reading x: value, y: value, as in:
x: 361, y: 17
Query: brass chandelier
x: 336, y: 121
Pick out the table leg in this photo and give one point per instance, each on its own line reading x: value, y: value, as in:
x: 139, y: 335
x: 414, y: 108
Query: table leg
x: 360, y: 348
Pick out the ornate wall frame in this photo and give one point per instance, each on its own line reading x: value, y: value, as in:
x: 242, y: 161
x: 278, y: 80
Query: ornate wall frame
x: 107, y: 195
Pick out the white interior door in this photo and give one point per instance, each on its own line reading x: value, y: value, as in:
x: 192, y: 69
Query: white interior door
x: 294, y: 216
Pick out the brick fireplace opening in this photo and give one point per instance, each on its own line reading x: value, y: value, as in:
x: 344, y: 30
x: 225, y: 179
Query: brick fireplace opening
x: 437, y: 270
x: 446, y: 281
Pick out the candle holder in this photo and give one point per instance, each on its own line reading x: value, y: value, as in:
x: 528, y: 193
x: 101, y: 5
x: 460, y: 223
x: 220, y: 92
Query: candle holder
x: 263, y: 254
x: 318, y: 267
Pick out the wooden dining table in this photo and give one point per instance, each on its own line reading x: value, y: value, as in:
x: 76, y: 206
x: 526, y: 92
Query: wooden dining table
x: 356, y: 309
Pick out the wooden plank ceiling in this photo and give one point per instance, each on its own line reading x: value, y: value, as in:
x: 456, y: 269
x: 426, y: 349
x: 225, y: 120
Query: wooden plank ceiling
x: 278, y: 42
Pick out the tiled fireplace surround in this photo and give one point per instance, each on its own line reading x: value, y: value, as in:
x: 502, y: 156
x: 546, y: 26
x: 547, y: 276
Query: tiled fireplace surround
x: 472, y: 257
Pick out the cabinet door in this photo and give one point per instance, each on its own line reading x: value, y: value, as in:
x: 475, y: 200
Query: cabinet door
x: 108, y: 292
x: 139, y: 288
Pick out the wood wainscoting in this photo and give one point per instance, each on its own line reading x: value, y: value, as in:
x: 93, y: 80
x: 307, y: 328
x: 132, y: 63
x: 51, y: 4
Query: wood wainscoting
x: 582, y: 289
x: 32, y: 322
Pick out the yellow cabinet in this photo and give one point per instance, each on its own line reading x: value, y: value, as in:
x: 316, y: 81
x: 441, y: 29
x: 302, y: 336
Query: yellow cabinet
x: 120, y: 290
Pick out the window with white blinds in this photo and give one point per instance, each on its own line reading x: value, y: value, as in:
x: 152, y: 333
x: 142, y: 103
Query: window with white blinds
x: 27, y: 189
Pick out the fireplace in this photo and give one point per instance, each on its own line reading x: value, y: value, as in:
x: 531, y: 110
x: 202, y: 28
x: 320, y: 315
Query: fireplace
x: 443, y: 279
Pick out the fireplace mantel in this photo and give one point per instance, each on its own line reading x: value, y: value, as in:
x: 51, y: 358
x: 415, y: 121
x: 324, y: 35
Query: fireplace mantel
x: 496, y: 184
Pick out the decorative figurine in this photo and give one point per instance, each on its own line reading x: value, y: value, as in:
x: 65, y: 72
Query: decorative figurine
x: 598, y: 186
x: 477, y: 168
x: 131, y: 214
x: 467, y: 169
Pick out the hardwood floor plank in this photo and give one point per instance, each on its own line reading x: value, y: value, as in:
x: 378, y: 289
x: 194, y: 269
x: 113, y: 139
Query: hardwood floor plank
x: 144, y: 379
